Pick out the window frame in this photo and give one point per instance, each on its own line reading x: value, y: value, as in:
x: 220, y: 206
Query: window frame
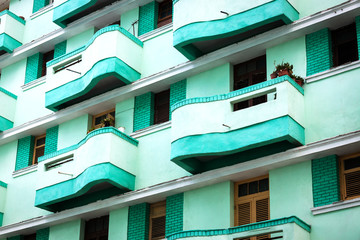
x: 35, y: 161
x: 50, y: 55
x: 107, y: 112
x: 167, y: 19
x: 96, y: 234
x: 157, y: 118
x: 342, y: 173
x: 152, y: 216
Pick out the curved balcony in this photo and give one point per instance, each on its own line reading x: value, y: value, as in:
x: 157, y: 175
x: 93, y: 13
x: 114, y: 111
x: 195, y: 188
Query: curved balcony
x: 11, y: 31
x: 289, y: 228
x: 109, y: 60
x: 72, y: 10
x: 230, y: 137
x: 7, y: 111
x: 204, y: 26
x: 100, y: 166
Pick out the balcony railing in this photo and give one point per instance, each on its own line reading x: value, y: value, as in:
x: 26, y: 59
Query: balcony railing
x: 111, y: 59
x: 289, y: 228
x: 71, y: 172
x: 7, y: 111
x: 230, y: 136
x: 11, y: 31
x: 201, y: 27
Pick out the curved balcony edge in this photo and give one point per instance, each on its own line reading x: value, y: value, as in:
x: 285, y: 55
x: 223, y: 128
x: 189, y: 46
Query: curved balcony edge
x: 241, y: 229
x: 5, y: 124
x: 48, y: 198
x: 8, y: 44
x: 104, y: 68
x: 192, y: 153
x: 88, y: 136
x: 185, y: 36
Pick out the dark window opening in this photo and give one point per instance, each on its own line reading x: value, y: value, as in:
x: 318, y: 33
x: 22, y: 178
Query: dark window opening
x: 162, y: 107
x: 165, y: 13
x: 30, y: 237
x: 48, y: 56
x: 97, y: 228
x: 157, y: 220
x: 253, y: 187
x: 344, y: 45
x: 247, y: 74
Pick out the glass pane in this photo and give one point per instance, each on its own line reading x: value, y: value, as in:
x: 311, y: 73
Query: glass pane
x: 40, y: 141
x: 352, y: 163
x: 253, y: 187
x: 243, y: 190
x: 264, y: 185
x: 39, y: 152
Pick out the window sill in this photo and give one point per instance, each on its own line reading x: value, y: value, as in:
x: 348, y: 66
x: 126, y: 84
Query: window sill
x: 151, y: 129
x: 24, y: 171
x: 41, y: 11
x: 336, y: 206
x: 333, y: 71
x: 33, y: 84
x: 156, y: 32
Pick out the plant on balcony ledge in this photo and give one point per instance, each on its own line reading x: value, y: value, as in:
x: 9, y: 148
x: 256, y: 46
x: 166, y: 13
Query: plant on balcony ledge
x: 286, y: 69
x: 299, y: 80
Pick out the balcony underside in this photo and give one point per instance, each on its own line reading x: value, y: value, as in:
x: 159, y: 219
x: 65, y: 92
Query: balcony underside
x: 8, y: 44
x: 199, y: 38
x: 96, y: 182
x: 73, y: 10
x: 5, y: 124
x: 199, y: 153
x: 105, y: 75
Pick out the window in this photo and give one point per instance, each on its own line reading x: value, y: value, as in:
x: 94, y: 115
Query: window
x: 46, y: 57
x: 165, y: 13
x: 104, y: 119
x: 97, y: 228
x: 39, y: 148
x: 350, y: 177
x: 157, y: 220
x: 162, y: 107
x: 30, y: 237
x: 252, y: 202
x: 247, y: 74
x: 344, y: 45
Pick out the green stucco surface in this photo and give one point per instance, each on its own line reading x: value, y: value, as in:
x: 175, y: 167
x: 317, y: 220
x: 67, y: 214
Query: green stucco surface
x: 13, y: 15
x: 7, y: 43
x: 5, y: 124
x: 73, y: 131
x: 128, y: 19
x: 104, y: 172
x: 78, y: 87
x: 118, y: 224
x: 70, y: 231
x: 79, y: 40
x: 124, y: 115
x: 184, y: 150
x: 10, y: 77
x: 209, y: 207
x: 241, y: 22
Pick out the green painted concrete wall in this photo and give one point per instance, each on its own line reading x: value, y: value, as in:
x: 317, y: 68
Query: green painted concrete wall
x: 124, y: 115
x: 291, y: 191
x: 216, y: 80
x: 118, y: 224
x: 307, y: 7
x: 128, y: 18
x: 69, y: 231
x: 209, y: 207
x: 79, y: 40
x: 12, y: 77
x: 71, y: 132
x: 152, y: 163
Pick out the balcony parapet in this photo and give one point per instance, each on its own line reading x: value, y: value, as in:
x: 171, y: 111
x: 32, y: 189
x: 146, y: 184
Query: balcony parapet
x: 198, y: 31
x: 110, y: 59
x: 11, y: 31
x: 230, y: 137
x: 289, y: 228
x: 71, y: 172
x: 7, y: 111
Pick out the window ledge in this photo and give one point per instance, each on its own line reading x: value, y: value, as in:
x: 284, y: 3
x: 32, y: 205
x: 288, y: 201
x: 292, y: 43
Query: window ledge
x: 34, y: 83
x: 151, y: 129
x: 156, y: 32
x: 333, y: 71
x: 41, y: 11
x: 24, y: 171
x: 336, y: 206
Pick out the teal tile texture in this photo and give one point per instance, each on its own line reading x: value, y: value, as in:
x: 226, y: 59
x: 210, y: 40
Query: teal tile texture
x: 25, y: 152
x: 60, y: 49
x: 138, y: 222
x: 174, y: 213
x: 33, y: 67
x: 51, y: 139
x: 144, y: 111
x: 148, y: 17
x: 177, y: 93
x: 42, y: 234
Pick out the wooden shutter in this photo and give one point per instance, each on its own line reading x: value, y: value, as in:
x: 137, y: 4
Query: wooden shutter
x: 243, y: 211
x: 157, y: 220
x: 350, y: 177
x: 262, y: 209
x: 352, y: 182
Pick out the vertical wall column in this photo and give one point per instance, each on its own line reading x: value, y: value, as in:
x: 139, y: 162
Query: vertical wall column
x: 318, y: 51
x: 51, y: 140
x: 148, y: 15
x: 60, y: 49
x: 325, y: 180
x: 25, y: 150
x: 144, y: 111
x: 177, y: 92
x: 174, y: 213
x: 33, y: 67
x: 138, y: 223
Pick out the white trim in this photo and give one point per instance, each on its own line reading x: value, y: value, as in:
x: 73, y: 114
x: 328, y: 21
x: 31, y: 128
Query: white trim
x: 156, y: 32
x: 151, y: 129
x: 342, y: 144
x: 34, y: 83
x: 42, y: 10
x: 24, y: 171
x: 336, y: 206
x: 333, y: 71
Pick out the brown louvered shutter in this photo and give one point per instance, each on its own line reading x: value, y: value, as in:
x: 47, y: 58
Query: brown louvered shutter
x: 157, y: 220
x: 262, y: 210
x: 352, y: 181
x: 244, y: 213
x: 350, y: 177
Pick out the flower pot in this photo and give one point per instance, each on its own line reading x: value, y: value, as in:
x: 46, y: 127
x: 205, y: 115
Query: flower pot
x: 284, y: 72
x: 273, y: 75
x: 300, y: 82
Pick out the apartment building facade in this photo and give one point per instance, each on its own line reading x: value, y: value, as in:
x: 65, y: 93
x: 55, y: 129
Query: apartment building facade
x: 144, y: 120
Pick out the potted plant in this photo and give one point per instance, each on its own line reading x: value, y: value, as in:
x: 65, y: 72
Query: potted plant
x: 107, y: 122
x: 284, y: 69
x: 299, y: 80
